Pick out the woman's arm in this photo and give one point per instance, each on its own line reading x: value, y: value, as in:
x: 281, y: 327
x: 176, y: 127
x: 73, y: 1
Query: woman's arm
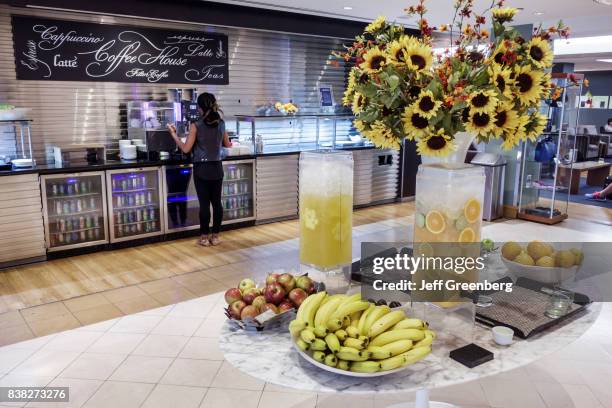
x: 185, y: 147
x: 226, y: 140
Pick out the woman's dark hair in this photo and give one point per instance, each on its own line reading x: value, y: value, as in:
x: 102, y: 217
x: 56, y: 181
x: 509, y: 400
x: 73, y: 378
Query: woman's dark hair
x: 208, y: 103
x: 609, y: 120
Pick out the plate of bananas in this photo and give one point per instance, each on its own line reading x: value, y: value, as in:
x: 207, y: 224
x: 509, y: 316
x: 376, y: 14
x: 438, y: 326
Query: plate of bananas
x: 349, y: 336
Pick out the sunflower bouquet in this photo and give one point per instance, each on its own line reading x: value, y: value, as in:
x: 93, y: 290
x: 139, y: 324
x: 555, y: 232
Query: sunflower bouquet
x: 398, y: 87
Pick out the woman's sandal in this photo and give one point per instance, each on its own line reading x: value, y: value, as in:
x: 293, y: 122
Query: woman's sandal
x: 215, y: 240
x: 204, y: 241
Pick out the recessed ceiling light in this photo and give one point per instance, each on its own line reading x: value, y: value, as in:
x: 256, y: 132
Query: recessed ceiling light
x: 348, y: 8
x: 605, y: 60
x: 539, y: 13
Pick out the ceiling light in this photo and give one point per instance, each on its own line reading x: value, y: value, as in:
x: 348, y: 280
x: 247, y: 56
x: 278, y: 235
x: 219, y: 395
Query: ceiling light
x: 539, y: 13
x: 604, y: 2
x: 605, y: 60
x: 347, y: 7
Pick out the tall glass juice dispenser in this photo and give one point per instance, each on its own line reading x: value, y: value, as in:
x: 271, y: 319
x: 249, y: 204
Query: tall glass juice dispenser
x: 326, y: 217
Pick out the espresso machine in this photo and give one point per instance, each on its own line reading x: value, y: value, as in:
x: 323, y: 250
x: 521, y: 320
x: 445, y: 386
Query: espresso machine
x: 186, y: 101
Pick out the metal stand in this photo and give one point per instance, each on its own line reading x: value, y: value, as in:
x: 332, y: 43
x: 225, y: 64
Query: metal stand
x: 422, y: 401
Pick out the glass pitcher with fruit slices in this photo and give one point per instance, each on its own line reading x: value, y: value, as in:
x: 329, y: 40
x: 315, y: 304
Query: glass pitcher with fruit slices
x: 448, y: 217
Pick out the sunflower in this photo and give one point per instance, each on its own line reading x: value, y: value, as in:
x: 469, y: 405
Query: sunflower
x: 360, y: 125
x: 359, y: 103
x: 535, y: 126
x: 510, y: 139
x: 521, y: 129
x: 349, y: 92
x: 506, y: 120
x: 415, y: 125
x: 504, y: 14
x: 480, y: 123
x: 374, y: 60
x: 499, y: 77
x: 426, y: 105
x: 382, y: 136
x: 438, y: 144
x: 397, y: 49
x: 483, y: 101
x: 539, y: 53
x: 528, y: 85
x: 419, y: 57
x: 376, y: 25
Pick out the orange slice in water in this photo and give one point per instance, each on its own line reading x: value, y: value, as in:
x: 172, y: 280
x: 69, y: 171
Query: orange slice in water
x: 467, y: 236
x: 435, y: 223
x: 472, y: 210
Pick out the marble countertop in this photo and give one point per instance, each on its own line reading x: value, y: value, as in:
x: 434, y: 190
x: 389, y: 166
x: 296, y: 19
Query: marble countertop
x: 269, y: 356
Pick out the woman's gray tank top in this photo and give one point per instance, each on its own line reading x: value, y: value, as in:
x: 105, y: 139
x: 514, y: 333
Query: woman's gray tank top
x: 208, y: 142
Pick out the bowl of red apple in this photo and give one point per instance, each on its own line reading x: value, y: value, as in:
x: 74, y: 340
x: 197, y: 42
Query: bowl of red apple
x: 256, y: 307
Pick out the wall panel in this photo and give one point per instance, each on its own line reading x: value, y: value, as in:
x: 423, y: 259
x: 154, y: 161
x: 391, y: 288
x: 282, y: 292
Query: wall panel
x: 264, y: 67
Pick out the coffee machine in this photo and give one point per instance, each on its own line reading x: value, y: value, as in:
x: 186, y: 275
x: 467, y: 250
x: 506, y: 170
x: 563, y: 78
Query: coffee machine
x: 186, y: 100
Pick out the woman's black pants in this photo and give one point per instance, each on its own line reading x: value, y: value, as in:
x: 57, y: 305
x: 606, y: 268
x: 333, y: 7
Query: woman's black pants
x: 209, y: 195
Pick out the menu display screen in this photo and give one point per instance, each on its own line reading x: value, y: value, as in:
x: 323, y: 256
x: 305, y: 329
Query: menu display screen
x: 61, y: 50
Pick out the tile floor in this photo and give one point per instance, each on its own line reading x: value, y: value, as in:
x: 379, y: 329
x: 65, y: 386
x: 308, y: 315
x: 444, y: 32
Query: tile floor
x: 168, y: 355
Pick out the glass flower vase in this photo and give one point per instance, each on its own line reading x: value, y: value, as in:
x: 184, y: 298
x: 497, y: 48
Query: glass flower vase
x: 326, y: 217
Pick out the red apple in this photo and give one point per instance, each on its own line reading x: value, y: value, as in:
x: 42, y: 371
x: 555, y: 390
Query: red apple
x: 306, y: 284
x: 249, y: 295
x: 232, y: 295
x: 297, y: 296
x: 249, y: 311
x: 284, y: 306
x: 287, y: 281
x: 246, y: 284
x: 274, y: 293
x: 235, y: 309
x: 272, y: 277
x: 259, y: 302
x: 269, y: 306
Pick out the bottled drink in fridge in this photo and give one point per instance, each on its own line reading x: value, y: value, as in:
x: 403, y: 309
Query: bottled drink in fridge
x: 58, y: 207
x: 92, y: 203
x: 62, y: 225
x: 149, y: 197
x: 81, y: 222
x: 70, y: 189
x: 54, y: 190
x: 77, y: 188
x: 83, y: 235
x: 60, y: 238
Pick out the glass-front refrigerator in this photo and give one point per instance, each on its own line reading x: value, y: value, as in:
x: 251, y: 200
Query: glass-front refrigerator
x: 74, y: 209
x: 238, y: 195
x: 182, y: 206
x: 134, y: 202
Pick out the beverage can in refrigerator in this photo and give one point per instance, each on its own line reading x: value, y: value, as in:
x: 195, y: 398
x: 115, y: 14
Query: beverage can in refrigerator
x: 118, y: 217
x: 89, y: 188
x: 79, y: 205
x: 60, y: 238
x: 114, y: 183
x: 83, y: 235
x: 62, y: 225
x: 88, y: 222
x: 124, y: 184
x: 139, y: 228
x: 153, y: 225
x: 66, y: 206
x: 81, y: 222
x: 149, y: 197
x: 151, y: 213
x: 92, y: 203
x: 143, y: 180
x: 73, y: 207
x: 75, y: 223
x: 135, y: 183
x: 84, y: 189
x: 96, y: 221
x: 70, y: 189
x: 138, y: 215
x: 76, y: 188
x: 58, y: 207
x: 61, y: 189
x: 90, y: 234
x: 54, y: 189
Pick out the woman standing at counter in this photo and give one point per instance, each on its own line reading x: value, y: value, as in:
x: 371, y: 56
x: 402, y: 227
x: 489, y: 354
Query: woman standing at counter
x: 207, y: 136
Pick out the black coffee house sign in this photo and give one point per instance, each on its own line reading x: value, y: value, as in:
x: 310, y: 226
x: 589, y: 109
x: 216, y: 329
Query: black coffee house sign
x: 76, y: 51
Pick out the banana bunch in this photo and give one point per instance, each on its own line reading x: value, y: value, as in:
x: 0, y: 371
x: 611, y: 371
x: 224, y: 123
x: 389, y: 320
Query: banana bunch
x: 351, y: 334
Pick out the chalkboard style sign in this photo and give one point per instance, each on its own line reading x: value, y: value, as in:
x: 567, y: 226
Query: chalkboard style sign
x: 60, y: 50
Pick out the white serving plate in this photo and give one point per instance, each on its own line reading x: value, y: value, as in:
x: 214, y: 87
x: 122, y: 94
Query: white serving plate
x: 22, y: 162
x: 334, y: 370
x: 540, y: 273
